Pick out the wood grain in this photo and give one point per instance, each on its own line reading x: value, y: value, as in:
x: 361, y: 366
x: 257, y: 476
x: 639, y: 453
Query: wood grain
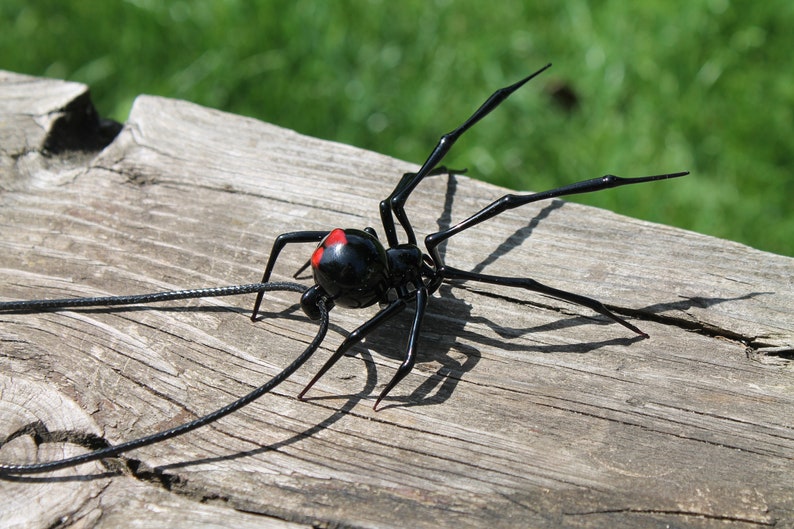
x: 523, y: 411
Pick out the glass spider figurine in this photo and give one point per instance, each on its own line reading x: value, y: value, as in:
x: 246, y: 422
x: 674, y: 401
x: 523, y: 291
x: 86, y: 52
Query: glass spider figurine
x: 352, y: 268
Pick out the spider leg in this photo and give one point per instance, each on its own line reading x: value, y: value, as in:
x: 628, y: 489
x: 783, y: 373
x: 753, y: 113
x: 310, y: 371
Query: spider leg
x: 303, y: 267
x: 441, y: 169
x: 535, y: 286
x: 513, y: 201
x: 394, y: 205
x: 410, y: 351
x: 356, y: 336
x: 386, y: 207
x: 381, y: 317
x: 278, y: 245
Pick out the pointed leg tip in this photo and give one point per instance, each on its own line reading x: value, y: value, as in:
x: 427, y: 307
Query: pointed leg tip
x: 642, y: 334
x: 302, y: 395
x: 378, y: 401
x: 636, y: 330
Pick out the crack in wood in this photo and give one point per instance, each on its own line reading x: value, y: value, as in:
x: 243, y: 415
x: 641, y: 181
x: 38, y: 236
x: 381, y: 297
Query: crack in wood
x: 677, y: 513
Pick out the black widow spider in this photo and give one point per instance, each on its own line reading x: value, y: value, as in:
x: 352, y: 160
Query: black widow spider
x: 352, y: 268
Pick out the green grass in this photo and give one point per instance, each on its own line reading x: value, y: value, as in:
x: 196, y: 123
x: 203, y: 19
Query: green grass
x: 661, y: 86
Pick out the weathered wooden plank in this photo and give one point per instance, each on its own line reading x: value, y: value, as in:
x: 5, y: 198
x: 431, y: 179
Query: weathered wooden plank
x: 522, y: 411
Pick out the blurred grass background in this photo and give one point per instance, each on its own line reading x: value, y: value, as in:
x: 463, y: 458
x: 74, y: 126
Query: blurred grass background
x: 637, y: 88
